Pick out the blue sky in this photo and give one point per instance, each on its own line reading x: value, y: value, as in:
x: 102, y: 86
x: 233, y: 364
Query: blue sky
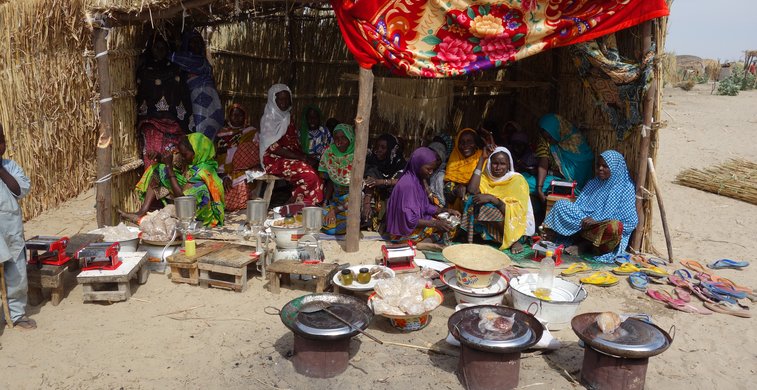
x: 712, y: 29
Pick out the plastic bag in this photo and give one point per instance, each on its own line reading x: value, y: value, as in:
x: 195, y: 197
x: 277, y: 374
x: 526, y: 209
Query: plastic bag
x: 493, y: 322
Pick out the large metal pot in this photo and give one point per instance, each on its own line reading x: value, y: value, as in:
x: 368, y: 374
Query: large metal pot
x: 557, y: 313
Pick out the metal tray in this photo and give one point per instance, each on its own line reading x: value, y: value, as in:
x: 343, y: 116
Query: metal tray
x: 526, y: 331
x: 321, y: 325
x: 634, y: 339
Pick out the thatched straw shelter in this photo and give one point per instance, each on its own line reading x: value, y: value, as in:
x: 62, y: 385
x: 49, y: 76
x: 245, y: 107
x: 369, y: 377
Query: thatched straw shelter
x: 254, y: 44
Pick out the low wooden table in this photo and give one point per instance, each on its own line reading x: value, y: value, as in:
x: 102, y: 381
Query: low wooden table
x: 226, y: 267
x: 322, y: 273
x: 115, y: 285
x: 184, y: 268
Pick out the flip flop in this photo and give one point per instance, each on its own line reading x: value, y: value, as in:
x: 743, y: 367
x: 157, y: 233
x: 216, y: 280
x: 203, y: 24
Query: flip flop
x: 601, y: 279
x: 678, y: 304
x: 576, y: 268
x: 728, y: 308
x: 639, y: 281
x: 728, y: 282
x: 625, y: 269
x: 655, y: 271
x: 682, y: 294
x: 714, y: 296
x: 728, y: 263
x: 683, y: 274
x: 723, y: 289
x: 677, y: 281
x: 694, y: 266
x: 622, y: 259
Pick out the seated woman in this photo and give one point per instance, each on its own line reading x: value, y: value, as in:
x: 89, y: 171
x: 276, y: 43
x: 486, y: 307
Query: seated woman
x: 604, y: 215
x: 562, y: 154
x: 497, y: 205
x: 315, y: 138
x: 409, y: 212
x: 236, y: 151
x: 383, y: 168
x: 199, y: 179
x: 462, y: 161
x: 436, y: 181
x: 280, y: 148
x: 336, y: 165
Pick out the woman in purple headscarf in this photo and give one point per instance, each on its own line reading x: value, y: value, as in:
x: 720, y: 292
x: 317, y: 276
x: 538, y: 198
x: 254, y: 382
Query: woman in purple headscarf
x: 410, y: 213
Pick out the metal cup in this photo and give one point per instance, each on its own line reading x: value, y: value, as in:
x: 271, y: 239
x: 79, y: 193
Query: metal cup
x: 257, y: 211
x: 312, y: 218
x: 186, y: 207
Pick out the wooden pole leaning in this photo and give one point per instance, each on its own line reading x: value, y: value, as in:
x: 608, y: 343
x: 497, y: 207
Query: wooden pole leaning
x: 661, y: 205
x: 104, y: 183
x: 362, y: 121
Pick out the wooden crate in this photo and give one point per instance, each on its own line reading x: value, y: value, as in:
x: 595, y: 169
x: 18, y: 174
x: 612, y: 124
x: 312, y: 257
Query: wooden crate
x: 281, y: 270
x: 184, y: 268
x: 226, y: 268
x: 46, y: 282
x: 115, y: 285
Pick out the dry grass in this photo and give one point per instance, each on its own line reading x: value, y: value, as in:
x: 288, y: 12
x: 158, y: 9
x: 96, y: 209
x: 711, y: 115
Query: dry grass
x: 736, y: 178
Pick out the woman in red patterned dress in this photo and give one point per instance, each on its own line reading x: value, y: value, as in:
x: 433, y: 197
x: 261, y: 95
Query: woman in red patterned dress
x: 280, y: 148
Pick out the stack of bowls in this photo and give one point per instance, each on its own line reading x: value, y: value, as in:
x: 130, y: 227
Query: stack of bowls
x: 476, y: 278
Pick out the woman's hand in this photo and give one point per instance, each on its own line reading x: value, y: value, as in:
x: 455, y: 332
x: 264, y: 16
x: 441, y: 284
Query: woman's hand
x: 371, y: 182
x: 441, y: 225
x: 484, y: 198
x: 452, y: 212
x: 167, y: 158
x: 488, y: 150
x: 227, y: 184
x: 330, y: 217
x: 541, y: 196
x: 588, y: 221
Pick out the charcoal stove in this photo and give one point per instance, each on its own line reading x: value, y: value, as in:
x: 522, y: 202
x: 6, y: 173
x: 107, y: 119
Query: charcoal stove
x: 618, y: 360
x: 321, y: 342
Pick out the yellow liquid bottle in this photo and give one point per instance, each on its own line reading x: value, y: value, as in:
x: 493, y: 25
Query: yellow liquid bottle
x: 190, y: 247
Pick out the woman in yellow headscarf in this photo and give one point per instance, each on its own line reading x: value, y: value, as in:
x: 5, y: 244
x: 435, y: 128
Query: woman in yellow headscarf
x: 460, y: 166
x: 498, y: 206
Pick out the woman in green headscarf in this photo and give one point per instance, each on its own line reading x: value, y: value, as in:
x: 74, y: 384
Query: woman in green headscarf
x: 335, y: 166
x: 315, y: 138
x: 199, y: 180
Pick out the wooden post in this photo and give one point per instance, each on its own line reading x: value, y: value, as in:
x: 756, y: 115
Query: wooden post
x: 663, y: 215
x: 646, y: 136
x: 362, y: 120
x: 105, y: 142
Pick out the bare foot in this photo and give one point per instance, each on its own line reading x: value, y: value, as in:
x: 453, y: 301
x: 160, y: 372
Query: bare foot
x: 516, y: 248
x: 129, y: 216
x: 572, y: 250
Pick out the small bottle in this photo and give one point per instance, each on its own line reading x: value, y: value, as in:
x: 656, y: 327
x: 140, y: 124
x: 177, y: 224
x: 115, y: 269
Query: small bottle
x: 346, y: 277
x: 546, y: 278
x: 364, y: 277
x: 428, y: 291
x: 189, y: 246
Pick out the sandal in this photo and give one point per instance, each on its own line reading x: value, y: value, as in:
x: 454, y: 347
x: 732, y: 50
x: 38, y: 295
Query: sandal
x: 694, y: 266
x: 601, y: 279
x: 625, y: 269
x: 576, y: 268
x: 622, y: 259
x: 25, y: 323
x: 728, y: 263
x: 653, y: 270
x: 723, y: 289
x: 731, y: 284
x: 639, y: 281
x: 682, y: 294
x: 678, y: 304
x: 683, y: 274
x: 728, y: 308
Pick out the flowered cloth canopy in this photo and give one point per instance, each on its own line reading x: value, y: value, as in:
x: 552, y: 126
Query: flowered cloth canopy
x: 442, y: 38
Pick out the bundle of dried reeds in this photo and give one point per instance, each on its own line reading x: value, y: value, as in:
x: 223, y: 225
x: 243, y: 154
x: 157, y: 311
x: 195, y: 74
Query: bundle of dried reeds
x: 414, y: 104
x: 736, y: 178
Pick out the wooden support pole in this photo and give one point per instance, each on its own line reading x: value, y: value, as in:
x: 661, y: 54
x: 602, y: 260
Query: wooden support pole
x: 663, y: 215
x: 103, y: 185
x: 362, y: 121
x: 646, y: 136
x: 4, y: 297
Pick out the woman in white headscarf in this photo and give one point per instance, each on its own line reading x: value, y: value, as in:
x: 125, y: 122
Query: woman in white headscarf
x: 280, y: 148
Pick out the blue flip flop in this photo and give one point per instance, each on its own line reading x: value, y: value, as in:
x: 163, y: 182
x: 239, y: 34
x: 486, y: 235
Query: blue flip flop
x: 684, y: 274
x: 624, y: 258
x: 639, y: 281
x: 723, y: 291
x: 728, y: 263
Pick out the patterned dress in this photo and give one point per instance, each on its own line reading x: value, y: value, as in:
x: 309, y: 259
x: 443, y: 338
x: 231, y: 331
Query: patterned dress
x: 308, y: 186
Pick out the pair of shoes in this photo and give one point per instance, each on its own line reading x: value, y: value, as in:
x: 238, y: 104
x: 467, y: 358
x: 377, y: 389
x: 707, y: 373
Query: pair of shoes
x: 676, y: 303
x: 25, y: 323
x: 601, y: 279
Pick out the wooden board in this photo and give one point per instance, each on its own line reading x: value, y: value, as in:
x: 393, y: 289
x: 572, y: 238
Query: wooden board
x: 203, y: 248
x: 80, y: 241
x: 232, y: 255
x: 297, y: 267
x: 132, y: 262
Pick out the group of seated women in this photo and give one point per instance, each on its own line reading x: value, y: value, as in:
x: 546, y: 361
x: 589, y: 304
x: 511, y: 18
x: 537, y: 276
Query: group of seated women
x: 487, y: 179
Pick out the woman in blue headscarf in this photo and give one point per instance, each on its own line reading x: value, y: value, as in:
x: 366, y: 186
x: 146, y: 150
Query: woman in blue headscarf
x: 563, y: 154
x: 604, y: 215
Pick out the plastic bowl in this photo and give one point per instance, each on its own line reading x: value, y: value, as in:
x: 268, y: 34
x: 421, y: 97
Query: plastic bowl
x: 408, y: 323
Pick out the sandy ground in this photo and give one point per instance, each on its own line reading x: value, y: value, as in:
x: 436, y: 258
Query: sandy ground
x: 228, y: 341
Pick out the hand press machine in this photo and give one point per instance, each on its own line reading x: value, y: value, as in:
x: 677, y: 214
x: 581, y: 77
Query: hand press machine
x: 99, y: 256
x: 400, y: 258
x: 44, y: 250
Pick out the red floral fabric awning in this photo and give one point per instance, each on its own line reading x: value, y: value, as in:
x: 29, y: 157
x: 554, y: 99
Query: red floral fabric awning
x: 441, y: 38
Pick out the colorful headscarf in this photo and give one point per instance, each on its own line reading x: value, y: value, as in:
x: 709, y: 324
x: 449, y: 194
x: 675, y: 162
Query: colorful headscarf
x: 572, y: 154
x: 274, y: 123
x: 459, y: 168
x: 602, y: 200
x: 337, y: 164
x: 245, y: 121
x: 305, y: 126
x: 389, y: 166
x: 512, y: 189
x: 409, y: 201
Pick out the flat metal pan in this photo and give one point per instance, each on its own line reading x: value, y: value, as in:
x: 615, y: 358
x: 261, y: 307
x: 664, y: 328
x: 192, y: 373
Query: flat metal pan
x: 634, y: 338
x: 321, y: 325
x: 526, y: 330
